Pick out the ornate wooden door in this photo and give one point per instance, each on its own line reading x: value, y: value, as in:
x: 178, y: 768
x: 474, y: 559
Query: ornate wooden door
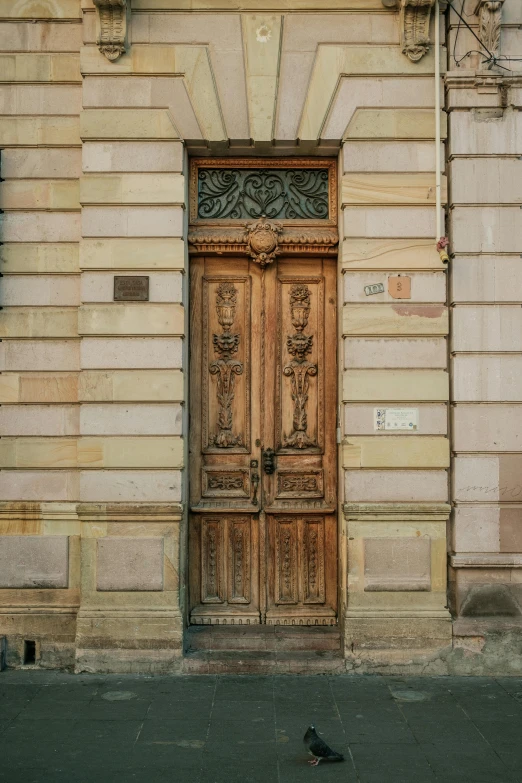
x: 263, y: 476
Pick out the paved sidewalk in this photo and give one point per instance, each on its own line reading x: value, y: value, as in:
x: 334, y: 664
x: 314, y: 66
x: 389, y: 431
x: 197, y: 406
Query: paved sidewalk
x: 57, y: 728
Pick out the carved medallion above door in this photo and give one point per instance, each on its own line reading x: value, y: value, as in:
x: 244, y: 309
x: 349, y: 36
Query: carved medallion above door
x: 263, y: 526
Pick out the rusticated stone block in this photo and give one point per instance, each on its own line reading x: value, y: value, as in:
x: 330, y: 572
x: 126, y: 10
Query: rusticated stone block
x: 397, y: 564
x: 34, y: 561
x: 132, y: 156
x: 130, y: 564
x: 511, y: 529
x: 490, y: 601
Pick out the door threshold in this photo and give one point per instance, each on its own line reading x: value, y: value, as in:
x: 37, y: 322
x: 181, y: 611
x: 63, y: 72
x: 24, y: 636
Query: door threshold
x: 262, y: 639
x: 264, y: 662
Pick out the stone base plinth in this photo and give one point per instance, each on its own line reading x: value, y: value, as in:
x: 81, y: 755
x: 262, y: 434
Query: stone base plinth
x: 395, y: 644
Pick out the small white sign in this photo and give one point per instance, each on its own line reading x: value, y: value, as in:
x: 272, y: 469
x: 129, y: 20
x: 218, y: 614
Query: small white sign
x: 396, y: 419
x: 375, y: 288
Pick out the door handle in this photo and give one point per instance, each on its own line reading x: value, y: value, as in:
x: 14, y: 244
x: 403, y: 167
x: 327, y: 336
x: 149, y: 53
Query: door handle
x: 269, y: 461
x: 255, y: 484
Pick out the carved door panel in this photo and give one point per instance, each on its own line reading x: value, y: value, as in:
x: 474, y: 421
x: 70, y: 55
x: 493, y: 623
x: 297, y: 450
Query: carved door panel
x: 224, y: 411
x: 299, y: 496
x: 263, y: 540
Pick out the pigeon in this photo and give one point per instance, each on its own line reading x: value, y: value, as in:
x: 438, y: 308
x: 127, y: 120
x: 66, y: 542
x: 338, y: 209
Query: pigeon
x: 318, y: 748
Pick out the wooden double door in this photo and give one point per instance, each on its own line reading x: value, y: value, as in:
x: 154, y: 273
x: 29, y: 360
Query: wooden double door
x: 263, y: 475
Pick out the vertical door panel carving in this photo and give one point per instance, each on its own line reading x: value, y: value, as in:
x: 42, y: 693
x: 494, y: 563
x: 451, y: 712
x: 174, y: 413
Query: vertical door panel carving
x: 212, y: 561
x: 313, y: 561
x: 300, y: 339
x: 226, y: 358
x: 303, y: 549
x: 239, y: 561
x: 286, y: 561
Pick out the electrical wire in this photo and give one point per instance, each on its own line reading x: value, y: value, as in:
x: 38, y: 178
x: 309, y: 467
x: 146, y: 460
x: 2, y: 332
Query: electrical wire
x: 492, y: 59
x: 456, y: 39
x: 472, y: 31
x: 471, y: 51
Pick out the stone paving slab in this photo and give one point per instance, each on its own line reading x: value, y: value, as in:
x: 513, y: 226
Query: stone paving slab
x: 62, y: 728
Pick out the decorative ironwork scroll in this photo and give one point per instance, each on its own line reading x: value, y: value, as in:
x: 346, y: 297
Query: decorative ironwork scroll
x: 299, y: 370
x: 225, y: 367
x: 241, y: 193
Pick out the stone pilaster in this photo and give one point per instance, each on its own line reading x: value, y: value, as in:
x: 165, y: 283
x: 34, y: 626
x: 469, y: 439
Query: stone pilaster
x: 395, y: 326
x: 486, y: 541
x: 132, y: 449
x: 130, y: 618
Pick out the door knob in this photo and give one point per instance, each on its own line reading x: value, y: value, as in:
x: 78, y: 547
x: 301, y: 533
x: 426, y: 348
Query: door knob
x: 269, y: 461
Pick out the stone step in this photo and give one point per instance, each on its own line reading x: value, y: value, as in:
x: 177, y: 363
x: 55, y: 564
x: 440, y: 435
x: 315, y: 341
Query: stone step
x: 248, y: 662
x: 262, y: 638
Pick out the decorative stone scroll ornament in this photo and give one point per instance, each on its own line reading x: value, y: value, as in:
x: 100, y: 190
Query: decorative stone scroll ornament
x: 111, y: 23
x: 489, y: 13
x: 299, y: 369
x: 263, y: 241
x: 414, y: 23
x: 225, y: 366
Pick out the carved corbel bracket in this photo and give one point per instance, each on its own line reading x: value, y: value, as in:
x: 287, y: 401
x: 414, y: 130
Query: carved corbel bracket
x: 414, y: 22
x: 489, y: 14
x: 111, y: 24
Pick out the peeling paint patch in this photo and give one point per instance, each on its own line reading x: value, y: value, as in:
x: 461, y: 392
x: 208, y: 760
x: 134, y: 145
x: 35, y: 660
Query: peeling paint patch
x: 263, y: 34
x: 422, y: 312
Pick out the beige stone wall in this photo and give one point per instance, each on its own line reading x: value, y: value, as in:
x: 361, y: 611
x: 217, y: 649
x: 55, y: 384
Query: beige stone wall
x: 486, y: 347
x: 92, y: 391
x: 40, y: 88
x: 132, y: 193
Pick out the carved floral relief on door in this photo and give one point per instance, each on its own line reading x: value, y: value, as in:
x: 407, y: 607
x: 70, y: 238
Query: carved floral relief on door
x: 226, y: 384
x: 301, y: 375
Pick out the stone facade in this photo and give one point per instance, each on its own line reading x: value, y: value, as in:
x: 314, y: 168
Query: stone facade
x: 101, y: 111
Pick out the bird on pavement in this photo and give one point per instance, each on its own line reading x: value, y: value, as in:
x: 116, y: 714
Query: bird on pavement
x: 318, y: 748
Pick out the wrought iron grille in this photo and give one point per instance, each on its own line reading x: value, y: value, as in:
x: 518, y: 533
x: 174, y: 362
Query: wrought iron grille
x: 285, y: 194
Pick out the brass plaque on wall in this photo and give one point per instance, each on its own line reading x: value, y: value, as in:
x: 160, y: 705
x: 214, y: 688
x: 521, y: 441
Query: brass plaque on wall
x: 131, y: 289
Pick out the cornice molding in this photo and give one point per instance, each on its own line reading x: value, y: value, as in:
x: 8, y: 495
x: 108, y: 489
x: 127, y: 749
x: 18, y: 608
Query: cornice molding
x: 414, y: 21
x: 236, y: 240
x: 111, y: 27
x: 484, y: 82
x: 489, y: 14
x: 390, y: 511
